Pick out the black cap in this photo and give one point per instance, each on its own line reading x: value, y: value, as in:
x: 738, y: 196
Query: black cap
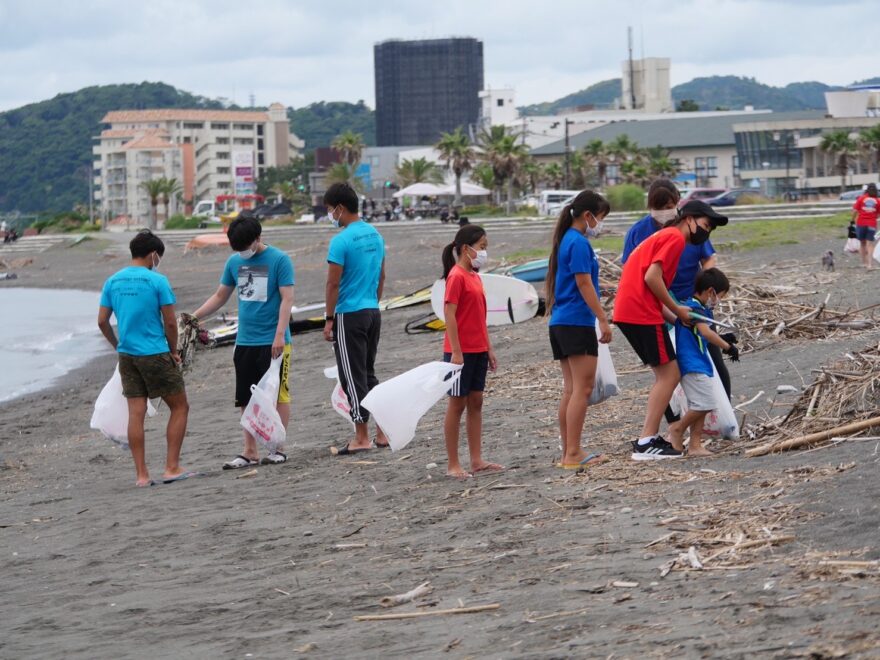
x: 696, y: 209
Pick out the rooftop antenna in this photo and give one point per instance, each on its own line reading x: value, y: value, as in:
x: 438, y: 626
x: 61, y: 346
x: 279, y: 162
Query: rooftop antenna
x: 632, y: 81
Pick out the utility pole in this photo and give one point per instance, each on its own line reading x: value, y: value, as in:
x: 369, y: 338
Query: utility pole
x: 567, y: 153
x: 91, y: 192
x: 632, y: 79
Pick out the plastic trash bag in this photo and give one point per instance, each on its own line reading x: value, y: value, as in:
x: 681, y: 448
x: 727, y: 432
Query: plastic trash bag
x: 261, y: 418
x: 605, y: 385
x: 338, y: 398
x: 398, y: 404
x: 852, y: 246
x: 877, y: 251
x: 111, y: 411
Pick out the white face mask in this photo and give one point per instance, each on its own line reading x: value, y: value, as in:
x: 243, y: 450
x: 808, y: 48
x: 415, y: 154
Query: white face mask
x: 333, y: 219
x: 480, y: 260
x: 592, y: 232
x: 156, y: 260
x: 664, y: 215
x: 251, y: 251
x: 712, y: 302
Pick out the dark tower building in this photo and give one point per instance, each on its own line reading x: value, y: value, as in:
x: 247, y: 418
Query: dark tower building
x: 425, y: 88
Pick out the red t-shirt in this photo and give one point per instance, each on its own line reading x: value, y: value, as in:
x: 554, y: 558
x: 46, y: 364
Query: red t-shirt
x: 634, y: 302
x: 465, y: 290
x: 867, y: 207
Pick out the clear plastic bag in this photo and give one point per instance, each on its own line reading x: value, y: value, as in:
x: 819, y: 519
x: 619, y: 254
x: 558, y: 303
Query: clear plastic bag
x: 398, y: 404
x: 260, y: 417
x: 338, y: 397
x: 605, y: 385
x: 110, y: 416
x: 852, y: 246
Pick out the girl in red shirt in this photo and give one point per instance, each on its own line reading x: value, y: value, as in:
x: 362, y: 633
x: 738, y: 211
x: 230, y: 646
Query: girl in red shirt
x: 643, y: 304
x: 865, y: 212
x: 466, y: 343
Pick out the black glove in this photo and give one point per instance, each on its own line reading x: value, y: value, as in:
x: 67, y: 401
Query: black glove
x: 729, y: 337
x: 733, y: 352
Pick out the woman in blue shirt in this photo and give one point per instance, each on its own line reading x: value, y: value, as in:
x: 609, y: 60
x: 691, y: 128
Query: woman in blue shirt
x: 573, y: 300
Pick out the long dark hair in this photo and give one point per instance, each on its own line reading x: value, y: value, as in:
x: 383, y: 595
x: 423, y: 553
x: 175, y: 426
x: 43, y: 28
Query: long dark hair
x: 467, y: 235
x: 586, y: 200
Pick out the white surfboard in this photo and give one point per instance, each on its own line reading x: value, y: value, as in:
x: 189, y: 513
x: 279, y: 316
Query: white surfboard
x: 508, y: 300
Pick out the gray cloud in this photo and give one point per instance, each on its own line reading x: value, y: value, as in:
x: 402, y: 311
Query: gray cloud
x: 297, y: 52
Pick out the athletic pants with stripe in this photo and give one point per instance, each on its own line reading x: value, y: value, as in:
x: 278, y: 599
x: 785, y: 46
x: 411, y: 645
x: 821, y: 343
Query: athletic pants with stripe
x: 355, y: 341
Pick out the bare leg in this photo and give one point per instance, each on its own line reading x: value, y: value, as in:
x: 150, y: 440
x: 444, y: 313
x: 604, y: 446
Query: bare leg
x: 583, y: 377
x: 696, y: 447
x: 563, y: 404
x: 666, y: 377
x: 474, y: 426
x: 451, y: 424
x: 179, y: 408
x: 676, y: 431
x: 250, y: 445
x: 361, y: 437
x: 283, y: 412
x: 869, y: 254
x: 137, y: 412
x: 381, y: 438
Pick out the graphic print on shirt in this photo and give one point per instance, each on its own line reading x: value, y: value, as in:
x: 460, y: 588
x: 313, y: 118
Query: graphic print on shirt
x: 253, y: 283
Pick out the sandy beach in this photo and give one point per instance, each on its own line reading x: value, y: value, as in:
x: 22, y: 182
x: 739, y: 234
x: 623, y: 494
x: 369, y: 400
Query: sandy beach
x: 277, y: 563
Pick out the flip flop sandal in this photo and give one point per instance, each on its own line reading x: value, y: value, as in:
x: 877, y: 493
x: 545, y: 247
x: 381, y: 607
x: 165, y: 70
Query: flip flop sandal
x: 345, y: 451
x: 275, y: 458
x: 239, y: 462
x: 584, y: 464
x: 181, y: 477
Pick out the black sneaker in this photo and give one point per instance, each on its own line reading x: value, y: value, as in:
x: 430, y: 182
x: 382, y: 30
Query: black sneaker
x: 655, y: 450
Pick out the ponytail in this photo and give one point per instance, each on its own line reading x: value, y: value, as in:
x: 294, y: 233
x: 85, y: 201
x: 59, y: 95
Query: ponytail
x: 586, y: 200
x: 467, y: 235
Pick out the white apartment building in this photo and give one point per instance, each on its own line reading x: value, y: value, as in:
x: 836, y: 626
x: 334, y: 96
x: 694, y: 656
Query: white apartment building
x: 209, y: 152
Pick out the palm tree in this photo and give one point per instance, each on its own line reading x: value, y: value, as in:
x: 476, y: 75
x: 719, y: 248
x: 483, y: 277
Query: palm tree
x: 285, y: 190
x: 530, y: 173
x: 455, y: 148
x: 344, y: 173
x: 624, y: 148
x: 505, y: 153
x: 660, y: 162
x: 596, y: 154
x: 350, y: 146
x: 843, y: 148
x: 171, y: 188
x: 484, y: 175
x: 153, y: 188
x: 553, y: 175
x: 418, y: 170
x: 869, y: 140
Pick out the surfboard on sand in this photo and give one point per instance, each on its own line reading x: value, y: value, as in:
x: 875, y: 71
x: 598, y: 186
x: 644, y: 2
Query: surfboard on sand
x: 508, y: 300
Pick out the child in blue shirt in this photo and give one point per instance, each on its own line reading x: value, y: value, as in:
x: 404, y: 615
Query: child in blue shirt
x: 694, y: 362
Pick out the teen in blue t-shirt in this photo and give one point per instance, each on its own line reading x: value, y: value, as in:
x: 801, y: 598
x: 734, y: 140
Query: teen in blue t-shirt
x: 262, y: 277
x: 573, y: 301
x: 136, y: 295
x: 360, y: 250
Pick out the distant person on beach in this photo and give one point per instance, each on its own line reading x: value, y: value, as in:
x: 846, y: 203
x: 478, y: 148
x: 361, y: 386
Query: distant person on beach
x: 644, y: 303
x: 573, y: 300
x: 143, y: 303
x: 466, y: 343
x: 864, y: 213
x: 695, y: 365
x: 262, y: 276
x: 352, y: 321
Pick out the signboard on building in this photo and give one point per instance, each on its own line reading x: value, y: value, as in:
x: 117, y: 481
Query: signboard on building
x: 243, y: 172
x: 364, y: 173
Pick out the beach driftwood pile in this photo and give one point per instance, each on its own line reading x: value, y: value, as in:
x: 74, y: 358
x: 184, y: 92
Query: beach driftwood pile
x: 843, y: 401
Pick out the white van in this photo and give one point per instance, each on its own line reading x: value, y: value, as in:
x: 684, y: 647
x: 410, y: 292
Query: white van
x: 552, y: 200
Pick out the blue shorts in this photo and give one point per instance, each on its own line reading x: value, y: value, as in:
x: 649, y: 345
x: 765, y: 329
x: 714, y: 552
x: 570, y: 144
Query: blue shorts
x: 865, y: 233
x: 473, y: 374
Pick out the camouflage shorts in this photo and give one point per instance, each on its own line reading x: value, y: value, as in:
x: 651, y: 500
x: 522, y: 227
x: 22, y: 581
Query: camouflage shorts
x: 149, y: 376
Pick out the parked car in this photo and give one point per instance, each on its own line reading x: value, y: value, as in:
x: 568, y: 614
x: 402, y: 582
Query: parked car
x: 701, y: 194
x: 731, y: 197
x: 852, y: 195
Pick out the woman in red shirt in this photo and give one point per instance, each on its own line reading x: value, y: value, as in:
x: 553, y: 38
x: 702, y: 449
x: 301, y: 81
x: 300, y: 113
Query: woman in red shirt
x: 466, y: 343
x: 642, y: 306
x: 865, y: 214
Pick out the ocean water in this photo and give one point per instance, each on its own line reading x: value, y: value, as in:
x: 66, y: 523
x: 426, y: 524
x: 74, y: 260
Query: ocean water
x: 45, y: 334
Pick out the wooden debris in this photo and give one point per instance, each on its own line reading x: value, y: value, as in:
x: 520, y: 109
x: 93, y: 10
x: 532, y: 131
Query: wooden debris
x: 417, y: 615
x: 393, y: 601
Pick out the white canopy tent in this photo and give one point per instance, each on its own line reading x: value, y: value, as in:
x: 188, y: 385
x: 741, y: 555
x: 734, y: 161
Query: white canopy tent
x: 467, y: 190
x: 420, y: 190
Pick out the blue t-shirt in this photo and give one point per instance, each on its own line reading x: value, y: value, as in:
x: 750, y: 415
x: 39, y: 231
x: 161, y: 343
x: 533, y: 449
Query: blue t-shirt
x: 575, y: 256
x: 691, y: 349
x: 257, y: 281
x: 688, y: 265
x: 360, y: 250
x: 136, y: 294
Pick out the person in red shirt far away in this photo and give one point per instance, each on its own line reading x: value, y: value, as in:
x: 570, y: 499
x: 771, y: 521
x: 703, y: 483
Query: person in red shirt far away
x: 865, y: 214
x: 466, y: 343
x: 642, y: 305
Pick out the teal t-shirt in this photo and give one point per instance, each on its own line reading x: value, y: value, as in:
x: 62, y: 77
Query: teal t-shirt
x: 360, y: 250
x: 257, y: 281
x: 136, y: 294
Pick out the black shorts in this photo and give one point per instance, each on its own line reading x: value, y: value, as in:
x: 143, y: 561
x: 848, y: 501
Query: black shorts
x: 650, y: 342
x: 473, y: 374
x: 251, y: 362
x: 568, y: 340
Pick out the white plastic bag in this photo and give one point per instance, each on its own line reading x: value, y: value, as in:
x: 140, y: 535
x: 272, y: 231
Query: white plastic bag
x: 261, y: 418
x: 877, y: 251
x: 338, y: 398
x: 398, y: 404
x: 111, y: 411
x: 605, y: 385
x: 852, y: 246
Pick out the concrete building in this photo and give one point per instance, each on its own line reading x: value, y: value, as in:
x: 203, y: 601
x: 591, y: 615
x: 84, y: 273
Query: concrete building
x: 645, y: 85
x: 497, y: 107
x: 426, y: 88
x: 210, y: 152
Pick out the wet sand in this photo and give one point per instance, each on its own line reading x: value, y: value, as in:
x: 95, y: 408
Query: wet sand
x: 277, y: 564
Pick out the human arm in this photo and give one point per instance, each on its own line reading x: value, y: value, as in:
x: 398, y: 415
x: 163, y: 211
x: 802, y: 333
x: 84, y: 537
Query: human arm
x: 331, y: 295
x: 591, y: 297
x: 452, y: 332
x: 215, y: 302
x: 381, y: 288
x: 654, y: 282
x: 104, y: 314
x: 283, y: 320
x: 169, y: 322
x: 726, y: 345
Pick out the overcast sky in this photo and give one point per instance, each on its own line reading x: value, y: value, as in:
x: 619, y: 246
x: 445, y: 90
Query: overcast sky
x: 300, y: 51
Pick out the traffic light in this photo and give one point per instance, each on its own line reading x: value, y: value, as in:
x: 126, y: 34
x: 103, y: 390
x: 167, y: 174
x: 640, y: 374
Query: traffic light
x: 388, y: 184
x: 301, y: 188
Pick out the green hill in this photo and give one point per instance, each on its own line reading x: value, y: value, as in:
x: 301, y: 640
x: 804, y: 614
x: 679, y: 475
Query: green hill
x: 318, y: 123
x: 600, y: 95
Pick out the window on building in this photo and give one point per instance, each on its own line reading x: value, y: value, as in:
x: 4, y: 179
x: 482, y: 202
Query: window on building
x: 223, y: 184
x: 222, y: 155
x: 261, y: 171
x: 260, y: 159
x: 222, y: 170
x: 260, y: 144
x: 242, y: 140
x: 735, y: 164
x: 259, y: 129
x: 187, y: 139
x: 193, y: 124
x: 712, y: 166
x: 500, y: 103
x: 219, y: 127
x: 243, y: 127
x: 222, y: 140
